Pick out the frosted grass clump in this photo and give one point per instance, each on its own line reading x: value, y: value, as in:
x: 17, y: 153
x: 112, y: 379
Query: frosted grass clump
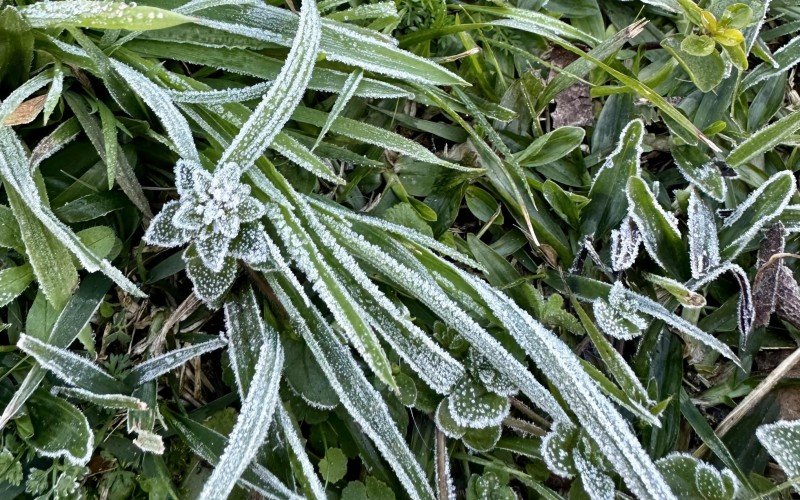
x: 218, y: 218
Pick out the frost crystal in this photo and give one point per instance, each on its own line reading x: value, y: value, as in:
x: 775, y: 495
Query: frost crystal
x: 219, y: 218
x: 617, y: 317
x: 625, y: 243
x: 703, y: 241
x: 782, y: 441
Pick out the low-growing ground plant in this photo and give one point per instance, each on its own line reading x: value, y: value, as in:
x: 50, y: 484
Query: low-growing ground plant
x: 399, y: 249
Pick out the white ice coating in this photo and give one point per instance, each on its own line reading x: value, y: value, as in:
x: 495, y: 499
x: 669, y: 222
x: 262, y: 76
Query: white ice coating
x: 703, y: 240
x: 782, y: 441
x: 362, y: 402
x: 602, y: 422
x: 69, y: 367
x: 625, y: 243
x: 164, y: 363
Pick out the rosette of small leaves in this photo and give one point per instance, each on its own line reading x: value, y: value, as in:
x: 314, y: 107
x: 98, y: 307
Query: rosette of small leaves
x: 219, y: 219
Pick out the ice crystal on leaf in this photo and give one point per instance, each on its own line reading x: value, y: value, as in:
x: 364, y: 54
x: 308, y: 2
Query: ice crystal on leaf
x: 782, y: 441
x: 218, y: 218
x: 472, y: 405
x: 617, y: 316
x: 625, y: 243
x: 689, y: 477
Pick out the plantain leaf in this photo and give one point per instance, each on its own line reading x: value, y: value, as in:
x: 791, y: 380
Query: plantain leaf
x: 283, y: 96
x: 608, y: 204
x: 100, y: 15
x: 59, y: 429
x: 764, y: 205
x: 660, y: 234
x: 764, y: 139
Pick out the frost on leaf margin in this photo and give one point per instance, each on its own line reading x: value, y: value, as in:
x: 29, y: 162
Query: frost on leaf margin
x: 782, y: 441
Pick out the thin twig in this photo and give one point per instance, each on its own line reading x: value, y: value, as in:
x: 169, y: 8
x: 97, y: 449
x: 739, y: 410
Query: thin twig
x: 752, y: 399
x: 442, y: 470
x: 528, y: 412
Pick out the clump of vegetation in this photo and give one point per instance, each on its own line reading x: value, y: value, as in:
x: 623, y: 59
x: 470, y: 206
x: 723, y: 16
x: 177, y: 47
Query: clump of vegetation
x: 411, y: 249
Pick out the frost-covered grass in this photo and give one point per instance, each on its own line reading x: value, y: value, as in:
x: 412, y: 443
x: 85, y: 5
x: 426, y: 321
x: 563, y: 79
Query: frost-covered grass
x: 399, y: 249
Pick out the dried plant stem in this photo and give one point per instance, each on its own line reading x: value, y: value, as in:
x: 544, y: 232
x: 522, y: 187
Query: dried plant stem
x: 442, y: 486
x: 752, y: 399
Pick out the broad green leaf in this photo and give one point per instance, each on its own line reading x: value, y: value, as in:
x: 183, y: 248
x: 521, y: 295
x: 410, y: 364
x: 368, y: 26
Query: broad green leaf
x: 482, y: 205
x: 690, y: 478
x: 700, y: 170
x: 782, y: 441
x: 109, y: 125
x: 703, y: 239
x: 100, y: 15
x: 659, y: 229
x: 534, y: 22
x: 59, y: 429
x: 765, y: 139
x: 49, y: 258
x: 71, y: 321
x: 71, y: 368
x: 607, y: 202
x: 333, y: 466
x: 764, y: 205
x: 560, y: 201
x: 697, y: 45
x: 14, y: 281
x: 785, y: 58
x: 551, y: 147
x: 473, y: 406
x: 706, y: 71
x: 10, y: 236
x: 100, y: 240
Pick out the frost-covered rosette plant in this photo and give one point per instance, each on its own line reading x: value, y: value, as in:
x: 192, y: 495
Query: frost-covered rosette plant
x: 217, y: 216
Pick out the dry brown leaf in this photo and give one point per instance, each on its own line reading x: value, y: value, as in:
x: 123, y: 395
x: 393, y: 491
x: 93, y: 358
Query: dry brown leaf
x: 26, y: 112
